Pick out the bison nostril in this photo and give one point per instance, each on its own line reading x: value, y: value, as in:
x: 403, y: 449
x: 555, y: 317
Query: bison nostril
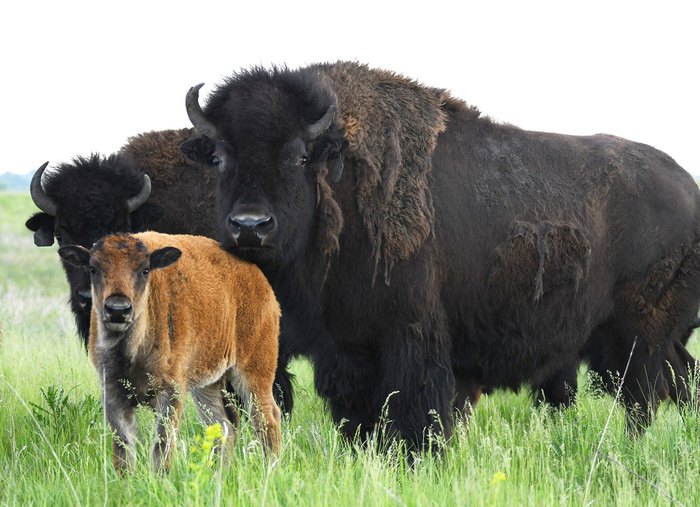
x: 117, y: 308
x: 251, y: 229
x: 83, y: 296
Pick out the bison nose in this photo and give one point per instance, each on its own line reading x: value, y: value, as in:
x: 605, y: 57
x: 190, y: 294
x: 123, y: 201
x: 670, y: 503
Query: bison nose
x: 252, y: 229
x: 83, y: 297
x: 117, y: 309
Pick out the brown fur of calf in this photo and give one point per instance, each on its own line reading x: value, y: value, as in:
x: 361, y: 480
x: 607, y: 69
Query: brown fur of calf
x: 193, y: 323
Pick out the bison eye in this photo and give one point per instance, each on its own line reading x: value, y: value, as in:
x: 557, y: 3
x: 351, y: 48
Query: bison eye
x: 215, y: 161
x: 145, y: 272
x: 303, y: 160
x: 58, y: 237
x: 92, y: 270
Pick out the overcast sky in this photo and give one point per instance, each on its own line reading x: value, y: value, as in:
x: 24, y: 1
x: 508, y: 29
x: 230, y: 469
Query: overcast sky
x: 81, y: 77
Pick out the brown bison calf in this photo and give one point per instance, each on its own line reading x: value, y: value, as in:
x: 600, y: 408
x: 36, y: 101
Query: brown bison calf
x: 173, y: 313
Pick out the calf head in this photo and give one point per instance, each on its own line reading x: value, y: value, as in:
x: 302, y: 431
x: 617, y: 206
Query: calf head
x: 119, y: 267
x: 81, y: 203
x: 274, y: 139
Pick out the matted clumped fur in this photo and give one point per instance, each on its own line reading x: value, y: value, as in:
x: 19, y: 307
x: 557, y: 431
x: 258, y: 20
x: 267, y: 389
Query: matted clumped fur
x: 392, y: 124
x: 195, y: 321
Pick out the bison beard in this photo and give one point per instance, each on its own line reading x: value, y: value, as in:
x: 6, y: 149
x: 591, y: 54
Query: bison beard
x: 505, y: 256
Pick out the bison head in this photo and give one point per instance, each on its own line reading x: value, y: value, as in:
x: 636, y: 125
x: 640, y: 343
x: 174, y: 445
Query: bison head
x: 82, y: 202
x: 275, y: 139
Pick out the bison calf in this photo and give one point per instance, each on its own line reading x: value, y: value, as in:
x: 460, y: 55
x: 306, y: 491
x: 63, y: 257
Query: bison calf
x: 173, y: 313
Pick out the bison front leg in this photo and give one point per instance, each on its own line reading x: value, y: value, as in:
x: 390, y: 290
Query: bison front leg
x: 347, y: 380
x: 415, y: 391
x: 120, y: 413
x: 168, y: 407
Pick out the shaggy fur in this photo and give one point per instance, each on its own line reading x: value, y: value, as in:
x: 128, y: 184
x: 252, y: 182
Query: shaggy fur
x: 536, y: 251
x: 195, y: 321
x: 392, y: 156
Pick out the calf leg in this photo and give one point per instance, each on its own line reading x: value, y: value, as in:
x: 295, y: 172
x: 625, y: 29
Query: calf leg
x: 213, y: 408
x: 120, y: 413
x: 254, y: 385
x: 168, y: 407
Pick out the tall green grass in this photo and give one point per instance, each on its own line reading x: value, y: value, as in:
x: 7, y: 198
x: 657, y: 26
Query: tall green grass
x: 55, y: 446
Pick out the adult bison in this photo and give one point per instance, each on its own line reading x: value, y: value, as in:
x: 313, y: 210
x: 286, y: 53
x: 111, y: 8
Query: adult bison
x: 149, y: 184
x: 416, y: 246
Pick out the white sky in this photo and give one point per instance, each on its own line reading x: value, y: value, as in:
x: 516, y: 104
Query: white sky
x: 80, y: 77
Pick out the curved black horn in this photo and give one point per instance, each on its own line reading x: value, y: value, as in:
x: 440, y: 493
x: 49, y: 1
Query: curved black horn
x: 42, y: 201
x: 196, y: 115
x: 318, y: 128
x: 134, y: 202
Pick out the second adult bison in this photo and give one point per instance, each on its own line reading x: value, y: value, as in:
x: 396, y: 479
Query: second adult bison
x: 148, y: 184
x: 415, y: 245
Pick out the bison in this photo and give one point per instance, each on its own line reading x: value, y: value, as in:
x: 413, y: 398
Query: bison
x: 417, y: 246
x: 174, y: 313
x: 149, y: 184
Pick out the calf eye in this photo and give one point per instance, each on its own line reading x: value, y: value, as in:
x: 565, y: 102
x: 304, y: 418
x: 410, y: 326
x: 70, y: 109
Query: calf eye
x: 145, y: 272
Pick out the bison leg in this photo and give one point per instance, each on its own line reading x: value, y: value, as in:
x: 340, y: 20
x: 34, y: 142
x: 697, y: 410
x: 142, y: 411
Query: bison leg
x: 168, y: 407
x: 680, y: 369
x: 416, y: 383
x: 120, y: 413
x: 467, y: 395
x: 213, y: 407
x: 559, y: 390
x: 254, y: 384
x: 346, y: 380
x: 282, y: 388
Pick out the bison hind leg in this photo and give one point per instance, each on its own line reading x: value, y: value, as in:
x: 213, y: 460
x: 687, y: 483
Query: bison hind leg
x: 255, y: 388
x: 214, y: 406
x: 559, y: 389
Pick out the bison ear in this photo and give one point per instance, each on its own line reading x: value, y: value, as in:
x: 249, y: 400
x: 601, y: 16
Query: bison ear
x: 337, y: 169
x: 164, y: 257
x: 42, y: 224
x: 199, y: 149
x: 75, y: 255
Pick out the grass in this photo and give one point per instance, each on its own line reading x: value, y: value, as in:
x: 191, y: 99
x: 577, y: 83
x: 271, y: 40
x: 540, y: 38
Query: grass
x: 54, y: 444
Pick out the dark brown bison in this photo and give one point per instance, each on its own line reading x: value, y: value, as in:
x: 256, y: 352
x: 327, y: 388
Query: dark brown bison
x: 172, y: 314
x: 417, y: 247
x: 149, y: 184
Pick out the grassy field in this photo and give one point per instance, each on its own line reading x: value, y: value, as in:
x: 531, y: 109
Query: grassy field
x: 54, y: 445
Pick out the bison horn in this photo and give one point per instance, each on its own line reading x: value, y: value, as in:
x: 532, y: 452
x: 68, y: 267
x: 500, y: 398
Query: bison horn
x: 196, y: 115
x: 42, y: 201
x: 315, y: 130
x: 133, y: 203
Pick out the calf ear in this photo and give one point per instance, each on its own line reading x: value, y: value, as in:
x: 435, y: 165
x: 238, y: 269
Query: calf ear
x: 75, y: 255
x: 42, y: 224
x: 199, y: 149
x: 164, y: 257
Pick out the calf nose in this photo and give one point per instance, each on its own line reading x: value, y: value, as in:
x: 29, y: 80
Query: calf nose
x: 117, y: 308
x: 252, y: 229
